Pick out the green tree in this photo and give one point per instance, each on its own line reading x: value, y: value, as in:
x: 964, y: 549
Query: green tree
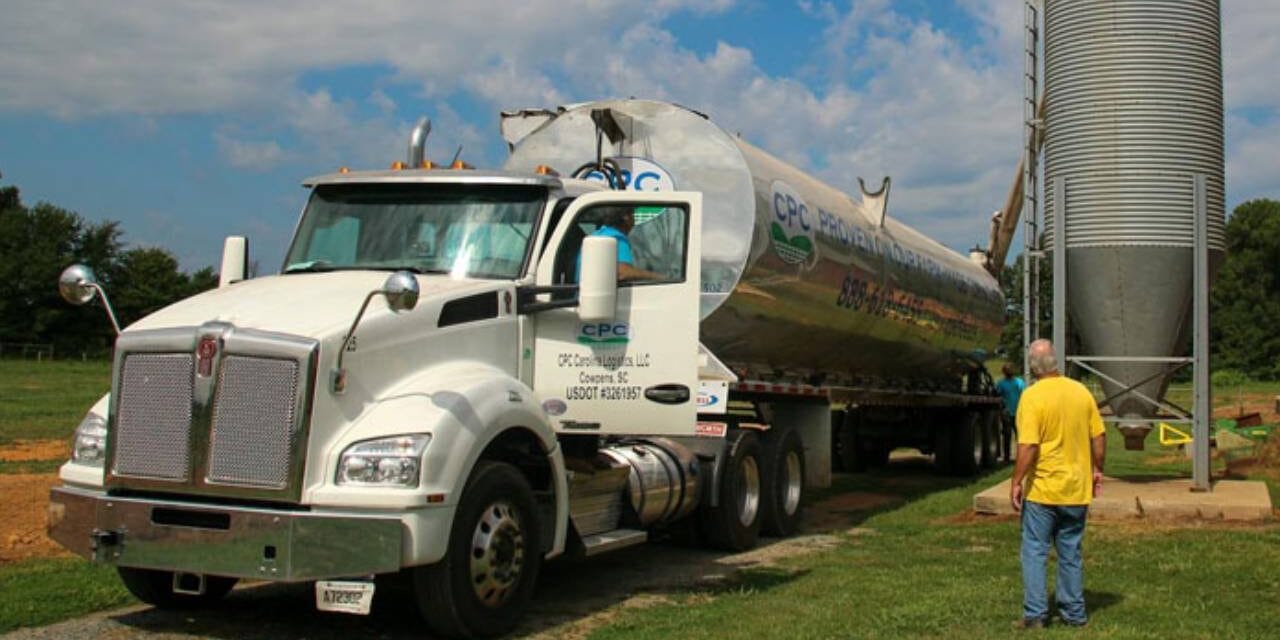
x: 1245, y: 300
x: 37, y: 243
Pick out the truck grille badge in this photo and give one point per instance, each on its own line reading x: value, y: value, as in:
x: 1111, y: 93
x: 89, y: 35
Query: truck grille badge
x: 205, y: 352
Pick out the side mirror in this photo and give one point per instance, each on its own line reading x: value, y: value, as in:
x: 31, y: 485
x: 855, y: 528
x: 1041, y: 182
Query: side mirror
x: 401, y: 291
x: 235, y: 260
x: 78, y: 284
x: 598, y: 282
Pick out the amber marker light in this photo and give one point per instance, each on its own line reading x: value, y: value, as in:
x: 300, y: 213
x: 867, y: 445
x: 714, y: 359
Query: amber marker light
x: 397, y: 165
x: 343, y: 170
x: 544, y: 170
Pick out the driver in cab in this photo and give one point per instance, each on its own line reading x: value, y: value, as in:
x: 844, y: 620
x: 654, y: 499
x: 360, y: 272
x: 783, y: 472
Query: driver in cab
x: 617, y: 223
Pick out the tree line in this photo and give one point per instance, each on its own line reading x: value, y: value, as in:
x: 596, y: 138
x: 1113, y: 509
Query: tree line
x: 1244, y: 302
x: 38, y: 242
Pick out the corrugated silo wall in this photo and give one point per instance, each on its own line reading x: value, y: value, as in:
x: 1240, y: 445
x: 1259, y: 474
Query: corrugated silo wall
x: 1134, y: 109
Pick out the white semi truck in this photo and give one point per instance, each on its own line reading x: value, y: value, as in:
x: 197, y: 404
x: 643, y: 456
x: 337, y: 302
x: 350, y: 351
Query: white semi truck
x: 461, y: 373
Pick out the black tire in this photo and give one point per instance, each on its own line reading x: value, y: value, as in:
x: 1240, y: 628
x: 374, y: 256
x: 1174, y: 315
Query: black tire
x: 859, y: 453
x: 735, y: 524
x: 990, y: 439
x: 782, y: 471
x: 966, y: 444
x: 496, y: 524
x: 156, y: 588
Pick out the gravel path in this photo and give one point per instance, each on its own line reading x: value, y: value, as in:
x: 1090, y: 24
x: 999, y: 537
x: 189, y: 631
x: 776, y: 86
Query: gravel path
x: 572, y: 599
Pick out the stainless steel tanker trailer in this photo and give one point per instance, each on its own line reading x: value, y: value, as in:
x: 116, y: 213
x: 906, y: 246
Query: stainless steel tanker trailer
x: 458, y: 373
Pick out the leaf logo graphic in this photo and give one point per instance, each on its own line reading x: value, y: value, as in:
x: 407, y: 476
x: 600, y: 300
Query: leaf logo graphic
x: 793, y: 250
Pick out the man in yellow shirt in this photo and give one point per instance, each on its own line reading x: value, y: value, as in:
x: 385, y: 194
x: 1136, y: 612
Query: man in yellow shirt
x: 1061, y: 448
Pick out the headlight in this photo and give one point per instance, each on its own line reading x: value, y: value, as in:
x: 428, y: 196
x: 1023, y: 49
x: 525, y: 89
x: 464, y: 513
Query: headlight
x: 90, y: 444
x: 386, y: 462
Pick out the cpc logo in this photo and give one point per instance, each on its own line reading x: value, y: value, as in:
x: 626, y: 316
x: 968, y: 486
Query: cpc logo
x: 707, y: 400
x: 793, y: 225
x: 604, y: 333
x: 638, y: 174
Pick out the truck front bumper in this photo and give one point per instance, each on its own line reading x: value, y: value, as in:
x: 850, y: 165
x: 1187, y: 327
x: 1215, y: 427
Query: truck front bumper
x: 268, y: 544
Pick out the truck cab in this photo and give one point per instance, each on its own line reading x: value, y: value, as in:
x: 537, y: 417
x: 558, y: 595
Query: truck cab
x: 403, y: 395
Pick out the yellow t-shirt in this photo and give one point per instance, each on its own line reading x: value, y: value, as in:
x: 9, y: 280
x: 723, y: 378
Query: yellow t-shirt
x: 1061, y: 416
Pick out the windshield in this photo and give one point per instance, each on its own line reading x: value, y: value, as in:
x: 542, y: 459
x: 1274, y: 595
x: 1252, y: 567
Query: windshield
x: 476, y: 231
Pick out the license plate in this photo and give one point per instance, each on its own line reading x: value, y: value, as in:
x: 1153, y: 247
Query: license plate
x: 344, y: 597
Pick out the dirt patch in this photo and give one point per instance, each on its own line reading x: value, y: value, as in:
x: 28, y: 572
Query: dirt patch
x: 35, y: 451
x: 1243, y: 404
x: 838, y: 512
x: 970, y: 516
x: 25, y: 497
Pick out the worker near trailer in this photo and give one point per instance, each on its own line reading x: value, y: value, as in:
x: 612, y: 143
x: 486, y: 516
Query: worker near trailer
x: 1061, y: 449
x: 1010, y: 389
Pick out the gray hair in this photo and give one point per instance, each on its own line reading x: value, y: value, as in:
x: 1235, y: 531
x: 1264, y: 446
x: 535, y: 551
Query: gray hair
x: 1041, y: 358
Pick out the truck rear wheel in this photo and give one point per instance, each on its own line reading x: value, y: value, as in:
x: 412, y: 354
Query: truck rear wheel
x: 781, y: 502
x: 735, y: 524
x: 156, y: 588
x: 483, y: 584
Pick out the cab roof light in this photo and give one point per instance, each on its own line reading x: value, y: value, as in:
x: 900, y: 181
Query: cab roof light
x: 544, y: 170
x: 427, y: 164
x: 459, y: 164
x: 343, y: 170
x: 397, y: 165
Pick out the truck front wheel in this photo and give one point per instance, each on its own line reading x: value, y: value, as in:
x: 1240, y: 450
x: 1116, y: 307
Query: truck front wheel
x: 156, y: 588
x: 483, y: 584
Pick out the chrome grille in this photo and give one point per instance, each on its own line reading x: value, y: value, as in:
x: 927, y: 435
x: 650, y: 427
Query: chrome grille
x: 153, y: 433
x: 254, y: 426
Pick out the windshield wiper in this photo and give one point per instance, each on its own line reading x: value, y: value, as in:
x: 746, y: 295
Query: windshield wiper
x: 312, y: 266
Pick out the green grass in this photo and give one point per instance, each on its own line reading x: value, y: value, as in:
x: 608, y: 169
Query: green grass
x: 43, y: 591
x: 920, y: 574
x: 48, y: 399
x: 30, y: 466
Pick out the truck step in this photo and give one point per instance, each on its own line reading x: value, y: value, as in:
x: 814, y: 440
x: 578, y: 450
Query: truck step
x: 613, y: 540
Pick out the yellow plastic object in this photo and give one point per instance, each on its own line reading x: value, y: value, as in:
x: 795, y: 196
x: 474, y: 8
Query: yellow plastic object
x: 1170, y: 435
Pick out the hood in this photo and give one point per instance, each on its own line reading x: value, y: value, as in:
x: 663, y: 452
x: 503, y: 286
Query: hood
x: 303, y: 304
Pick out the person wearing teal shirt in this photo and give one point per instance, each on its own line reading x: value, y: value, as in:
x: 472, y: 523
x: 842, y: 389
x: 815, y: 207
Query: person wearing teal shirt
x: 1010, y: 389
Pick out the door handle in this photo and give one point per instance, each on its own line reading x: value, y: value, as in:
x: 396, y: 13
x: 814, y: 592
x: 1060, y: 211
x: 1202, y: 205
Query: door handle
x: 668, y: 393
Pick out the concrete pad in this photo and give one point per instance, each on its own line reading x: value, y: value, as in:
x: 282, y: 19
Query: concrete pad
x: 1231, y: 500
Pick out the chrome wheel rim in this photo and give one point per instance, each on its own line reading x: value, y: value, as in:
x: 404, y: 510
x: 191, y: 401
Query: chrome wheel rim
x: 497, y: 554
x: 794, y: 484
x: 748, y: 491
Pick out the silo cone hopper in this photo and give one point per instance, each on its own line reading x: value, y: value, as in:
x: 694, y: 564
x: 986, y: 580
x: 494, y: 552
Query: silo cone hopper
x: 1133, y: 118
x: 1132, y: 301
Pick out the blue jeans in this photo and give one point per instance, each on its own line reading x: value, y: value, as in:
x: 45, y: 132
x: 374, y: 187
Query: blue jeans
x: 1044, y: 525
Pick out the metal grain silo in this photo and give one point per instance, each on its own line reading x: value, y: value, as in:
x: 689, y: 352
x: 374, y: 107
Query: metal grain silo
x: 1134, y: 113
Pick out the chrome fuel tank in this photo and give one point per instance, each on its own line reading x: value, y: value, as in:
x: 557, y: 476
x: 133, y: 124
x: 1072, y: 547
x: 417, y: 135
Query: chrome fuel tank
x: 797, y: 276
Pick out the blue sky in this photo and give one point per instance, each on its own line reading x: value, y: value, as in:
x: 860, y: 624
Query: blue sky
x: 190, y: 121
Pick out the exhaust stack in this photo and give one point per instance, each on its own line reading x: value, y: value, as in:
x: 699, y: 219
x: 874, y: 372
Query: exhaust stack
x: 418, y: 143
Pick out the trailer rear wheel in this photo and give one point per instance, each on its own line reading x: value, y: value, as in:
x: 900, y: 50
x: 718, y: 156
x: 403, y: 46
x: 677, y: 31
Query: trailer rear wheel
x: 734, y: 525
x: 781, y: 502
x: 483, y: 584
x: 966, y: 444
x: 156, y: 588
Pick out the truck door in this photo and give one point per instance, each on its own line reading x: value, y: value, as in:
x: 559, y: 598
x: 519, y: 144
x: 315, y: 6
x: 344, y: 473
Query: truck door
x: 636, y: 373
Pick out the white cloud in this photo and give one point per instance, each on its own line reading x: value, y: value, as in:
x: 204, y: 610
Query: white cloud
x: 241, y: 154
x: 884, y: 92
